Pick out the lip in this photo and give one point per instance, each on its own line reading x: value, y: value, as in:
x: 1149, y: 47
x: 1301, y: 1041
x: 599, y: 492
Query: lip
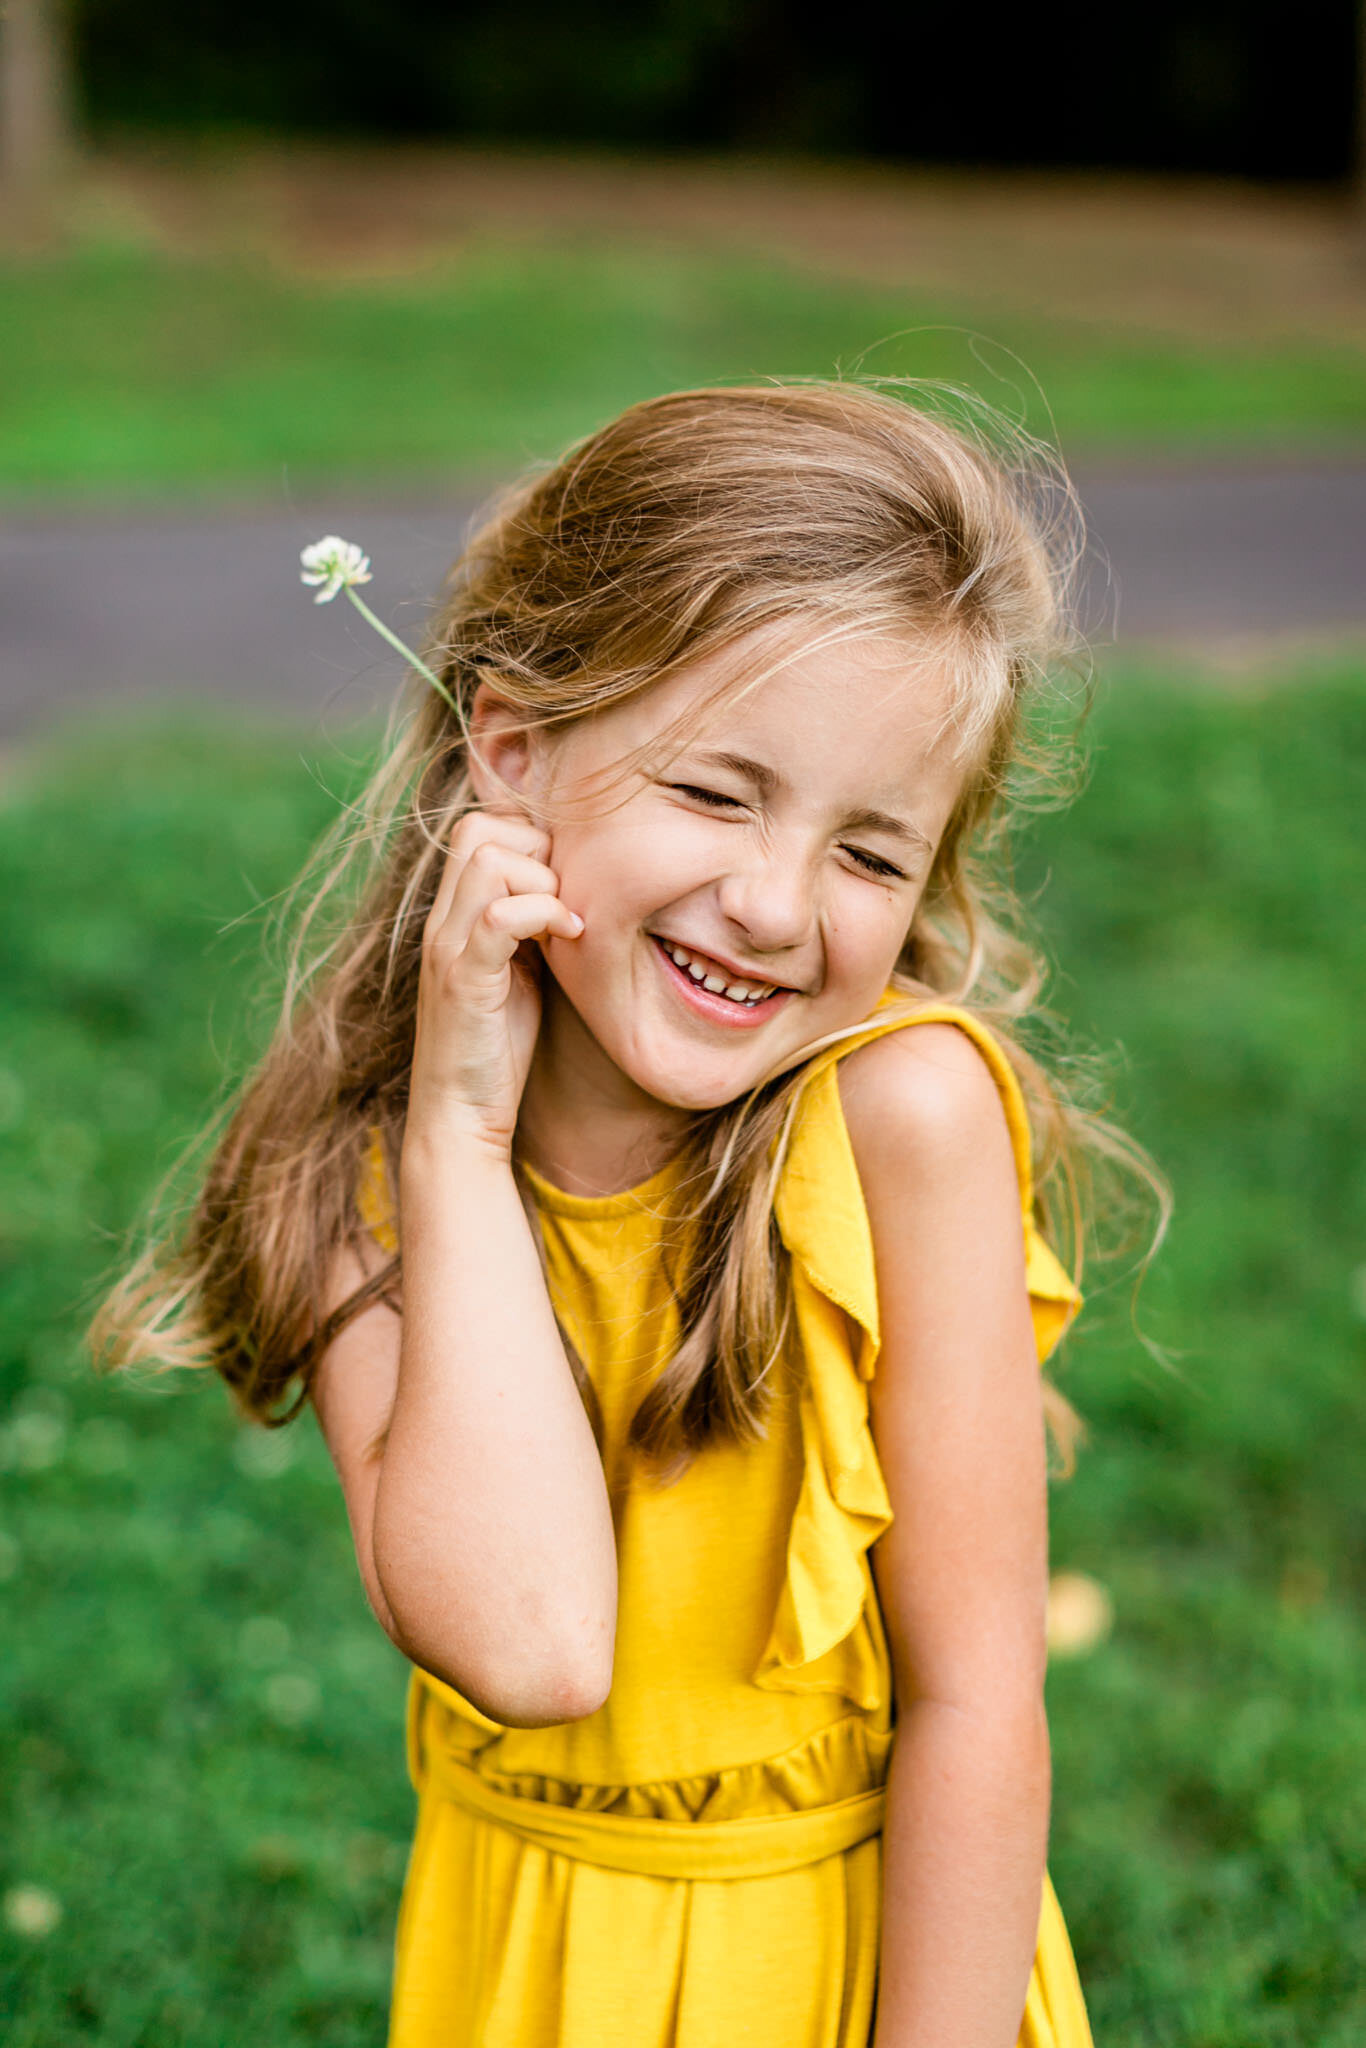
x: 733, y: 971
x: 715, y: 1008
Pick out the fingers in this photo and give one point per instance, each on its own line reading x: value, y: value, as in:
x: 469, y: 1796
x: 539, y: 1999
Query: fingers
x: 478, y: 869
x: 500, y: 897
x: 491, y: 874
x: 504, y: 924
x: 477, y: 829
x: 495, y: 871
x: 477, y: 969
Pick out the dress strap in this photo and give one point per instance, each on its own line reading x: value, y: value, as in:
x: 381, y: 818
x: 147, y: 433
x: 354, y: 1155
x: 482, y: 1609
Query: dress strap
x: 375, y: 1197
x: 820, y: 1206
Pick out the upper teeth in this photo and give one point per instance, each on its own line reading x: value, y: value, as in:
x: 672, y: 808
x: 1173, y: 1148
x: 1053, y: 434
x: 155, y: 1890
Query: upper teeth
x: 707, y: 972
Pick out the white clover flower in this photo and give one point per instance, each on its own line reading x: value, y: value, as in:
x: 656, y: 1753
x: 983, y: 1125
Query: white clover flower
x: 1080, y: 1614
x: 335, y: 564
x: 332, y: 564
x: 32, y: 1911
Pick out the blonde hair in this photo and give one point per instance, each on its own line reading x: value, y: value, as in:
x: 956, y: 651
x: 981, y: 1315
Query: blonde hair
x: 690, y: 522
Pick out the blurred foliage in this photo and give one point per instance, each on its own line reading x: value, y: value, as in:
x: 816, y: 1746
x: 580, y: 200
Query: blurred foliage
x: 122, y: 372
x: 1200, y: 86
x: 202, y: 1726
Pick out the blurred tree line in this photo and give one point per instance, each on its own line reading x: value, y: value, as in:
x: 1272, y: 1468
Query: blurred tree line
x: 1242, y: 87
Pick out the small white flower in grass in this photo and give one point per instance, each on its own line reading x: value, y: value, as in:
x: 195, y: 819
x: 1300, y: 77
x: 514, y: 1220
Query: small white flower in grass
x: 32, y: 1911
x: 332, y: 564
x: 292, y: 1697
x: 1080, y: 1614
x: 263, y: 1639
x: 335, y: 564
x: 36, y: 1437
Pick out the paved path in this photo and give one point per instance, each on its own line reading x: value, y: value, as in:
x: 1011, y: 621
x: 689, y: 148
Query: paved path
x: 118, y: 606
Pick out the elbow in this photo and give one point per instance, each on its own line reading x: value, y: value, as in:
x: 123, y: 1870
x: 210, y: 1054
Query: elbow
x: 521, y: 1664
x: 544, y: 1695
x: 545, y: 1698
x: 545, y: 1690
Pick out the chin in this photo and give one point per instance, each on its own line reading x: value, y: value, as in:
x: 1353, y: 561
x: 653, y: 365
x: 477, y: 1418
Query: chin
x: 683, y: 1080
x: 693, y: 1096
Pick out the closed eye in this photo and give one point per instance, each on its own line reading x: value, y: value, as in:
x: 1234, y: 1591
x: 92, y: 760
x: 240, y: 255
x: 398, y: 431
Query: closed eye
x: 871, y: 863
x: 885, y: 870
x: 712, y: 797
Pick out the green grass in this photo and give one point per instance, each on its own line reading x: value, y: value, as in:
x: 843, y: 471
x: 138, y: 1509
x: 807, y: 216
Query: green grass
x: 1211, y: 1818
x: 122, y: 372
x: 200, y: 1724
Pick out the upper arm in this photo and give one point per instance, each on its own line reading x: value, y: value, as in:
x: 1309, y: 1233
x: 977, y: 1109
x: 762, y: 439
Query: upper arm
x: 353, y: 1394
x: 956, y: 1402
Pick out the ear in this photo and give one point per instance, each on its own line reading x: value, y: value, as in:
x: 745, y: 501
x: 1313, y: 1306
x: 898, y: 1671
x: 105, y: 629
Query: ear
x: 504, y: 758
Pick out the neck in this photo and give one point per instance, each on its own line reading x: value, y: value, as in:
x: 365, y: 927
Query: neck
x: 584, y: 1124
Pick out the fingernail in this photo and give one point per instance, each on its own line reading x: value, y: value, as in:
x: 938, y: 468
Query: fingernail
x: 578, y: 922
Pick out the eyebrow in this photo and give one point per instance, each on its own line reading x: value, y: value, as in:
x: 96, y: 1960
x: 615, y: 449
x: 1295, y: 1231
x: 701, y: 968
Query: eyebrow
x: 767, y: 780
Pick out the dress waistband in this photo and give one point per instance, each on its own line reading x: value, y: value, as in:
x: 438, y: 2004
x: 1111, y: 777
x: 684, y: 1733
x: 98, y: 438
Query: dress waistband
x: 664, y: 1848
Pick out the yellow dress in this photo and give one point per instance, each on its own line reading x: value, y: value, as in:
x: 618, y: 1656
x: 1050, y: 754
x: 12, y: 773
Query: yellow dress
x: 698, y: 1864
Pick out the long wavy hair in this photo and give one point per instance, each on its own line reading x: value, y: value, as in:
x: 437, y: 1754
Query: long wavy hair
x: 689, y: 523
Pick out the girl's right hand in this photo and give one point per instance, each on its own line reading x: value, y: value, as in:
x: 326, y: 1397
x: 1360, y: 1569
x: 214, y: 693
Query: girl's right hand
x: 479, y: 999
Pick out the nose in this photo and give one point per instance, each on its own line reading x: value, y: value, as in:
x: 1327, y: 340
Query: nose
x: 770, y: 897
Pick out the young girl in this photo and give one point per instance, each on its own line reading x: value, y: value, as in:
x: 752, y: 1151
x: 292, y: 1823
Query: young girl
x: 639, y: 1186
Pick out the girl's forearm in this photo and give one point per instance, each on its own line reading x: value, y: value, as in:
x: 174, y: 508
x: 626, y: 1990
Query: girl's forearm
x: 964, y: 1850
x: 493, y: 1535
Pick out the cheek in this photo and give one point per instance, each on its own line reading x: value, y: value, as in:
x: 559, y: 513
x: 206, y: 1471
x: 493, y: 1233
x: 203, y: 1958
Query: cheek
x: 868, y: 930
x: 592, y: 872
x: 623, y: 869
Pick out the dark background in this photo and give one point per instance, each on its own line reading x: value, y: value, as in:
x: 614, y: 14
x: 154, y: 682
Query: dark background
x: 1195, y: 86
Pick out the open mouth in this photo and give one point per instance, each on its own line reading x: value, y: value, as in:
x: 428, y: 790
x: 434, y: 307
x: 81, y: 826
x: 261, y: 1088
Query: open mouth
x: 716, y: 990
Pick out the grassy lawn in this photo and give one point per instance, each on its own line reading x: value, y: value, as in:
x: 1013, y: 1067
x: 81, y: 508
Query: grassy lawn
x: 126, y: 372
x: 200, y: 1723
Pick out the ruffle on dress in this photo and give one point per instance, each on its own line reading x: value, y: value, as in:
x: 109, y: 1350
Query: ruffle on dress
x: 827, y: 1631
x: 845, y: 1758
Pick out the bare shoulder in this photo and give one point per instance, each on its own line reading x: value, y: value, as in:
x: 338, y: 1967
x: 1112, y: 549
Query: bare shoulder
x: 922, y: 1104
x: 955, y: 1404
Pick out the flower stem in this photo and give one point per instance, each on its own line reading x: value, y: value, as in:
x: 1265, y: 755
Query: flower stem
x: 363, y: 608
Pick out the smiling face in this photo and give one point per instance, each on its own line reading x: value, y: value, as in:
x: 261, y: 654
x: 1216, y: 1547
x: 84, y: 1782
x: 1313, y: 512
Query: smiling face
x: 749, y: 892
